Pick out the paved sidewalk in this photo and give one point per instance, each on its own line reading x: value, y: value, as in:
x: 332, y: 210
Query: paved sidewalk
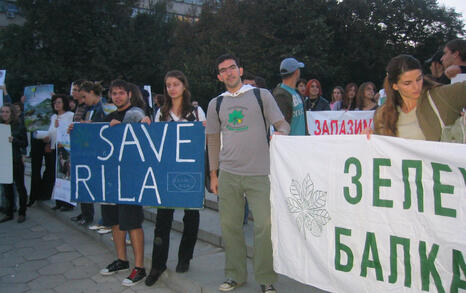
x: 45, y: 255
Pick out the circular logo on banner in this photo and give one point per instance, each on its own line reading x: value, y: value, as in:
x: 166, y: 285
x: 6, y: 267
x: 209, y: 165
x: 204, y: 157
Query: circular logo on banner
x: 184, y: 182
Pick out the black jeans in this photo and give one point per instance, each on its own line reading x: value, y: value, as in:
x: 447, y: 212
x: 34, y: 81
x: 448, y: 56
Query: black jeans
x: 163, y: 225
x: 18, y: 178
x: 87, y: 211
x: 37, y: 155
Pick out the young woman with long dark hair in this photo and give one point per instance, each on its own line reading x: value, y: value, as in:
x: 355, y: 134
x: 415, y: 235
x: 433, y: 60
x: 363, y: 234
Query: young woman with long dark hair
x: 407, y: 111
x: 177, y: 107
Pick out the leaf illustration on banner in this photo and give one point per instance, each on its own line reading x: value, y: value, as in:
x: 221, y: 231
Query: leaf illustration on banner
x: 309, y: 206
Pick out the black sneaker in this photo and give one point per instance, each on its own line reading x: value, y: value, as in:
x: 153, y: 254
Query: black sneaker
x: 76, y: 218
x: 268, y: 289
x: 182, y: 266
x: 153, y: 276
x: 115, y: 267
x: 136, y: 276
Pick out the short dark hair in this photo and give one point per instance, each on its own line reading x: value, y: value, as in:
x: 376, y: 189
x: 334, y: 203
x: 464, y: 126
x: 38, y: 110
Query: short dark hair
x: 458, y: 45
x: 65, y: 99
x: 224, y: 57
x: 119, y: 83
x: 79, y: 82
x: 89, y: 86
x: 260, y: 82
x: 248, y: 75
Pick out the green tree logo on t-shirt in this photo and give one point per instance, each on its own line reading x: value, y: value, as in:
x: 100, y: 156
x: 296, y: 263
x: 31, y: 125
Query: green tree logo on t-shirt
x: 236, y: 117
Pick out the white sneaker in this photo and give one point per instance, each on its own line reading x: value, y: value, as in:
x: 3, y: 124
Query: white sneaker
x: 104, y: 230
x: 96, y: 227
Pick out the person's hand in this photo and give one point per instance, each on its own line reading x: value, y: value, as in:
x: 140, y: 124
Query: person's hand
x: 368, y: 132
x: 10, y: 138
x: 114, y: 122
x: 46, y: 139
x: 47, y: 148
x: 204, y: 123
x: 214, y: 182
x: 56, y: 123
x: 452, y: 71
x: 146, y: 119
x: 70, y: 128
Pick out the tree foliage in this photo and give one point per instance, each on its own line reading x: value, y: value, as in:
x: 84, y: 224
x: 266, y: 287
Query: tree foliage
x: 339, y: 41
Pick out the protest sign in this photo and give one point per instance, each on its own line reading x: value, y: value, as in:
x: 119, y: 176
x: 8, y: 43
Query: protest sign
x: 161, y: 164
x: 2, y: 83
x: 338, y: 122
x: 62, y: 188
x: 6, y: 163
x: 37, y: 107
x: 381, y: 215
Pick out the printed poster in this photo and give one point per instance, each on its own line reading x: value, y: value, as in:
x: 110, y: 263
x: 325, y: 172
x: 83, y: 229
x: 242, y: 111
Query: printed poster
x: 38, y: 107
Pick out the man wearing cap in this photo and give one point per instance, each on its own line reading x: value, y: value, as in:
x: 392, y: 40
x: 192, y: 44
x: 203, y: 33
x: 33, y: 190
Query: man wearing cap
x: 436, y: 68
x: 289, y: 101
x: 454, y: 57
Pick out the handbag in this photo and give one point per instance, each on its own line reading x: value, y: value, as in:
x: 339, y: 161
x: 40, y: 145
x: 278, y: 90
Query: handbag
x: 450, y: 133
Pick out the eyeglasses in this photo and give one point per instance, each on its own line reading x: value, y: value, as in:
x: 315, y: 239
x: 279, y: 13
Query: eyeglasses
x: 225, y: 70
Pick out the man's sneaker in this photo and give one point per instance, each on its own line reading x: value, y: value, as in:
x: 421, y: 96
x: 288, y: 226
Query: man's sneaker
x: 96, y: 227
x: 104, y: 230
x: 136, y: 276
x: 115, y: 267
x: 268, y: 289
x: 228, y: 285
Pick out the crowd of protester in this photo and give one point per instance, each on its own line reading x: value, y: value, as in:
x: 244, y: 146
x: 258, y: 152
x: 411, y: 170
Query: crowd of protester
x: 404, y: 107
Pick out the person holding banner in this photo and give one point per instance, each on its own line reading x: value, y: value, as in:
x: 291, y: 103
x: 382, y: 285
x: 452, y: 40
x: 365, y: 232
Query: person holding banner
x: 91, y: 93
x: 125, y: 218
x: 177, y: 107
x: 407, y: 112
x: 62, y: 114
x: 242, y: 115
x: 18, y: 140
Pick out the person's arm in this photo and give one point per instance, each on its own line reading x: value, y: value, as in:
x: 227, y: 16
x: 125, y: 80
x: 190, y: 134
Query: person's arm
x: 213, y: 142
x: 284, y: 104
x: 282, y: 127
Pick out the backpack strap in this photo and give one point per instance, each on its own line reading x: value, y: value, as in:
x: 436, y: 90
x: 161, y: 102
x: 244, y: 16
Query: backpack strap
x: 257, y: 93
x: 217, y: 108
x: 434, y: 108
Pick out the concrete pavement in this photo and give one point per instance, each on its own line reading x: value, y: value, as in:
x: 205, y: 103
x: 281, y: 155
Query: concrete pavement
x: 46, y: 255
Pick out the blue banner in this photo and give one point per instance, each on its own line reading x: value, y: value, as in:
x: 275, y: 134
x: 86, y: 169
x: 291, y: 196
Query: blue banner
x: 161, y: 164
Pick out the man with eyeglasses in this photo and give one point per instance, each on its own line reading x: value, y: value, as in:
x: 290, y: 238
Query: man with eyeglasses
x: 242, y: 115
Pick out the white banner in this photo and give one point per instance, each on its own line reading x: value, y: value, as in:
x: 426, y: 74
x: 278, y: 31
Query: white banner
x: 338, y: 122
x: 6, y: 163
x: 381, y: 215
x: 62, y: 188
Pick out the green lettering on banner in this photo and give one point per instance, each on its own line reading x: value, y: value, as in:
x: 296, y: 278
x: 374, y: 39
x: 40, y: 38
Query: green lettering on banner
x: 417, y: 165
x: 341, y: 247
x: 379, y: 182
x: 355, y: 180
x: 458, y: 263
x: 463, y: 172
x: 440, y: 188
x: 394, y: 241
x: 428, y: 267
x: 371, y: 248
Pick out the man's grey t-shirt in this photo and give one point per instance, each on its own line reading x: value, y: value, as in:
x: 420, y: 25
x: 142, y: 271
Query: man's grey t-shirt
x: 245, y: 150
